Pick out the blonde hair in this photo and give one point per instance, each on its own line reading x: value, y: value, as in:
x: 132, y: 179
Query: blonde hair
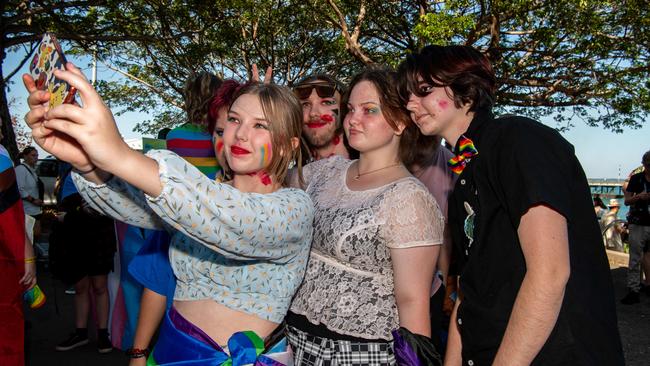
x: 283, y: 112
x: 197, y: 95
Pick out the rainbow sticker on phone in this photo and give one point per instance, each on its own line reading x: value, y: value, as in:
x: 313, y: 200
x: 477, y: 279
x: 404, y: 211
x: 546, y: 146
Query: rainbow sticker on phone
x: 48, y: 58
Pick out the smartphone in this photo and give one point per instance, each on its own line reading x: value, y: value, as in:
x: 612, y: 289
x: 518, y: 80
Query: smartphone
x: 48, y: 58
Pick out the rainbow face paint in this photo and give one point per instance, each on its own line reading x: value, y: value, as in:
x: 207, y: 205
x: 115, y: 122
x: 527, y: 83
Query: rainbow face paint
x: 265, y: 153
x: 219, y: 144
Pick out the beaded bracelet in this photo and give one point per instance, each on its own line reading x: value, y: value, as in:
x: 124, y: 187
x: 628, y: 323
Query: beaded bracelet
x: 30, y: 260
x: 87, y: 171
x: 137, y: 353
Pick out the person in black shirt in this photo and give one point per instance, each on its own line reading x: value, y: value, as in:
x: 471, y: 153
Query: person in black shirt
x: 535, y: 286
x: 637, y: 196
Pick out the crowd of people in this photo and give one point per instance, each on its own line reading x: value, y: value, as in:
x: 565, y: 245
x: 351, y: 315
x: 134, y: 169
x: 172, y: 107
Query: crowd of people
x: 338, y: 230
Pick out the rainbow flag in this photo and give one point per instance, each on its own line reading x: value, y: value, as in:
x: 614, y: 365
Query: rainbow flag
x: 194, y: 144
x: 34, y: 297
x: 176, y: 347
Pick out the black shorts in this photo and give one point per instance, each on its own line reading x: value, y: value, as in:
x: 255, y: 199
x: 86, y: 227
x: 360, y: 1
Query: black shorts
x: 83, y: 245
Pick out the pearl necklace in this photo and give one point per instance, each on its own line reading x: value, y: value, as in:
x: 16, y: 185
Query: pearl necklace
x: 359, y: 175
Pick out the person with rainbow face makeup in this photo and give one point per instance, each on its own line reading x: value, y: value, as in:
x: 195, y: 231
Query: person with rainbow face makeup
x: 218, y: 118
x: 320, y: 97
x: 244, y: 244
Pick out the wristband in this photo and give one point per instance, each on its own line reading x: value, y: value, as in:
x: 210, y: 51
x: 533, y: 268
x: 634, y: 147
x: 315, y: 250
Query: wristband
x: 87, y: 171
x: 137, y: 353
x: 30, y: 260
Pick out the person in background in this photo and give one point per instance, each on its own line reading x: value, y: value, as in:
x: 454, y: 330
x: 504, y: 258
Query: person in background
x: 599, y: 207
x: 17, y: 264
x: 193, y: 139
x: 217, y: 123
x: 613, y: 229
x: 322, y: 129
x: 84, y: 242
x: 31, y: 187
x: 637, y: 196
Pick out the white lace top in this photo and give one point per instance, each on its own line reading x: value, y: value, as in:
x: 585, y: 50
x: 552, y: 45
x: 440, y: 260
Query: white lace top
x: 349, y: 282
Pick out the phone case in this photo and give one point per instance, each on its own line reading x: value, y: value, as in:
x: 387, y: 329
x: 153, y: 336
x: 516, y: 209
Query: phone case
x: 48, y: 58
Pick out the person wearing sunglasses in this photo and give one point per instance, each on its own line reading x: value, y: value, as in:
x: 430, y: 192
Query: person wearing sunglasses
x: 320, y: 97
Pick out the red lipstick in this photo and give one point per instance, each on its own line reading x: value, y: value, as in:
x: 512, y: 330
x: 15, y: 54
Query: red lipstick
x: 316, y: 124
x: 236, y: 150
x: 321, y: 122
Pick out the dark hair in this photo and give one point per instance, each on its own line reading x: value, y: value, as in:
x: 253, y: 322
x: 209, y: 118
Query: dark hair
x: 646, y: 157
x: 26, y: 151
x: 197, y: 95
x: 392, y: 107
x: 222, y: 98
x: 162, y: 134
x: 598, y: 202
x: 422, y: 152
x: 463, y: 69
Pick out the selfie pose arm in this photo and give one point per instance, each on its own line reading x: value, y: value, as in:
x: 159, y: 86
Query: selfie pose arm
x: 87, y: 136
x: 234, y: 223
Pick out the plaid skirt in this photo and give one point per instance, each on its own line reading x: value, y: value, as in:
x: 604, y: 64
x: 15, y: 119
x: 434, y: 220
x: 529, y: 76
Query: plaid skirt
x: 310, y: 350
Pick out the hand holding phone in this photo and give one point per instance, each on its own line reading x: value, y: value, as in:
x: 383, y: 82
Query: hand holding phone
x: 48, y: 58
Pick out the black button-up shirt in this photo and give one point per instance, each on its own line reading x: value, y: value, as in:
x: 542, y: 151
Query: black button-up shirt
x: 639, y: 210
x: 520, y: 164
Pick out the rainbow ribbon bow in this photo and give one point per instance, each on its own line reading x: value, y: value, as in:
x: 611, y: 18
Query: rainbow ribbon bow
x: 465, y: 151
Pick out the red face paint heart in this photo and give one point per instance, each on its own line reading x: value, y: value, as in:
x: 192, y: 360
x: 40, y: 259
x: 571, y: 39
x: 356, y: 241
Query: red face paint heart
x: 264, y: 177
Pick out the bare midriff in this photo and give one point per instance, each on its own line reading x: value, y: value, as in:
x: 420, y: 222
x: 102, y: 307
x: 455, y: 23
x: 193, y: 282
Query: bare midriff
x: 220, y: 322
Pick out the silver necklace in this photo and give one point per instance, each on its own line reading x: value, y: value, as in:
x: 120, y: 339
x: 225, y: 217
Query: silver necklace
x: 359, y: 175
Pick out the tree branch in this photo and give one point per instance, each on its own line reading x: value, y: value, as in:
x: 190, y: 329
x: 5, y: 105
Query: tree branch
x: 351, y: 41
x: 29, y: 12
x: 159, y: 92
x: 22, y: 63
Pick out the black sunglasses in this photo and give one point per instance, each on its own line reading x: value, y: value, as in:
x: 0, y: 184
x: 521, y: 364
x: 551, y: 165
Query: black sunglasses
x: 324, y: 90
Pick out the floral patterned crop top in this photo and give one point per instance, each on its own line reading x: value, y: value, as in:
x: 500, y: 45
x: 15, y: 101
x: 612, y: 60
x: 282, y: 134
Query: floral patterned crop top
x: 247, y: 251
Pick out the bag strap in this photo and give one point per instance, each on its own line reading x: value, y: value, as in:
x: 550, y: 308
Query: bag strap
x: 31, y: 172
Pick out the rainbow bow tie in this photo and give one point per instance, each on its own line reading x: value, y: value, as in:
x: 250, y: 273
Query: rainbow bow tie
x: 465, y: 151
